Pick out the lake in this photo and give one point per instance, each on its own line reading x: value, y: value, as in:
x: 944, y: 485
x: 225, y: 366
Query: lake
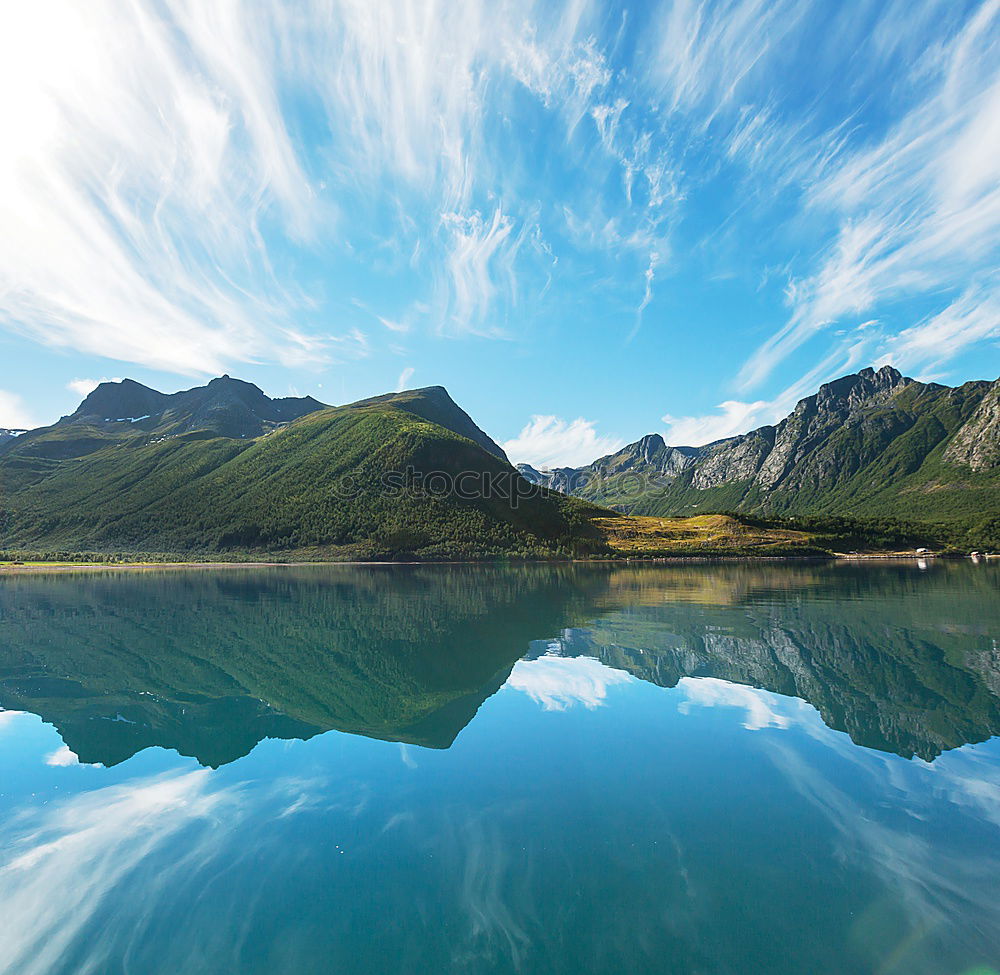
x: 733, y: 768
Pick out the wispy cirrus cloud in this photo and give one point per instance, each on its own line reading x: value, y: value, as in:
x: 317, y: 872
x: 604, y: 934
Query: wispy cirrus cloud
x: 916, y: 212
x: 404, y: 377
x: 707, y: 53
x: 734, y: 417
x: 972, y: 318
x: 190, y: 187
x: 125, y: 129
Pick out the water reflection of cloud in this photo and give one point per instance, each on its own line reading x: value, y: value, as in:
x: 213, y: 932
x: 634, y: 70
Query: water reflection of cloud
x: 558, y: 683
x: 62, y: 757
x: 941, y: 877
x: 65, y: 867
x: 57, y: 873
x: 7, y: 718
x: 763, y: 708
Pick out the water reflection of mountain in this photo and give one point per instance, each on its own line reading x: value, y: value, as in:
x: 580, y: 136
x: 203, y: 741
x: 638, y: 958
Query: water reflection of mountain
x: 901, y: 662
x: 210, y: 663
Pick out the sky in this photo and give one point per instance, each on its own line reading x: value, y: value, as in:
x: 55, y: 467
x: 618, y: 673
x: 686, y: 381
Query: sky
x: 589, y: 221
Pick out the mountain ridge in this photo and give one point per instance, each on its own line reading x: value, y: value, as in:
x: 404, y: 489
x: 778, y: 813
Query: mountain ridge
x: 871, y: 443
x: 219, y: 469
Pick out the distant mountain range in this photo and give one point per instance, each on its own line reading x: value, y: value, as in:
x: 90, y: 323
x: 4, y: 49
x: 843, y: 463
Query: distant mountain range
x: 868, y: 445
x: 223, y: 468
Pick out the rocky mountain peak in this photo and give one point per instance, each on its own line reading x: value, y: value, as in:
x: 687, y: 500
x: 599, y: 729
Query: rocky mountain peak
x: 120, y: 400
x: 227, y: 406
x: 650, y: 445
x: 865, y: 387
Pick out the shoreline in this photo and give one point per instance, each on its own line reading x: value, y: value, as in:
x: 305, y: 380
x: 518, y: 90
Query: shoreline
x: 11, y: 568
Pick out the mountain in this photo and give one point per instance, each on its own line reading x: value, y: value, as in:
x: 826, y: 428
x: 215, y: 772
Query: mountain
x: 872, y: 444
x: 650, y: 455
x: 228, y: 406
x: 433, y: 404
x: 224, y: 469
x: 7, y: 435
x: 887, y: 673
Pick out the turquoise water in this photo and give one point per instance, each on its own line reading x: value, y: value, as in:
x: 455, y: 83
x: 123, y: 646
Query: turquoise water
x: 739, y: 768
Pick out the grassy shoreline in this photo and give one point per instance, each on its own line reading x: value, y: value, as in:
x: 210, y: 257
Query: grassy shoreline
x: 604, y: 537
x: 21, y: 568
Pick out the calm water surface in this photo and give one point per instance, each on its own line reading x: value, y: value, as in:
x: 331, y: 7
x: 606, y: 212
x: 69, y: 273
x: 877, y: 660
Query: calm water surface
x: 551, y: 769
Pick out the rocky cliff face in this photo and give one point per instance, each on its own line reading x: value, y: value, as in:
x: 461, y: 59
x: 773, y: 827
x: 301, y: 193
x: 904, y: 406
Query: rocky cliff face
x: 887, y: 692
x: 791, y: 450
x: 649, y: 458
x: 977, y: 443
x: 869, y: 438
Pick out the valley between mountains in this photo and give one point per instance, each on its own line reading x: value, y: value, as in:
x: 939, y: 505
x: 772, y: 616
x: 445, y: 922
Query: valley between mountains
x: 872, y: 461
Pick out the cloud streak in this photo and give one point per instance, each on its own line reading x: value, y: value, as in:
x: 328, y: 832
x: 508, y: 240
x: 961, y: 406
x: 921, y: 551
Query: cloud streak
x: 125, y: 130
x: 916, y: 212
x: 189, y: 187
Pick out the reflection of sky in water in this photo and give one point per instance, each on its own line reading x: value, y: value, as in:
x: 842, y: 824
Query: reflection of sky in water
x: 624, y: 798
x: 558, y: 683
x: 549, y: 837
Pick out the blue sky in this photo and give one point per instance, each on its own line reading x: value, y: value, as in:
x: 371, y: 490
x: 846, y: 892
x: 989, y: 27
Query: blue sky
x: 589, y: 221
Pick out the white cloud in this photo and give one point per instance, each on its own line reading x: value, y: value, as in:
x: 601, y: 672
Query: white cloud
x: 647, y: 297
x: 558, y: 683
x: 404, y: 378
x: 392, y: 325
x: 971, y: 318
x: 548, y: 441
x: 733, y: 417
x: 705, y: 54
x: 125, y: 128
x: 13, y: 413
x: 480, y: 263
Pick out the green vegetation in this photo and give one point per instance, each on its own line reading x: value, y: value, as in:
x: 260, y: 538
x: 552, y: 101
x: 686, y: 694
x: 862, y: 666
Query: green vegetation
x: 345, y: 483
x: 409, y: 476
x: 876, y: 464
x: 210, y: 663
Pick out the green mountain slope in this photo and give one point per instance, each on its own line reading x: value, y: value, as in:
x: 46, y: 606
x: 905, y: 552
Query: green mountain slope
x: 369, y: 480
x: 432, y: 403
x: 871, y: 445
